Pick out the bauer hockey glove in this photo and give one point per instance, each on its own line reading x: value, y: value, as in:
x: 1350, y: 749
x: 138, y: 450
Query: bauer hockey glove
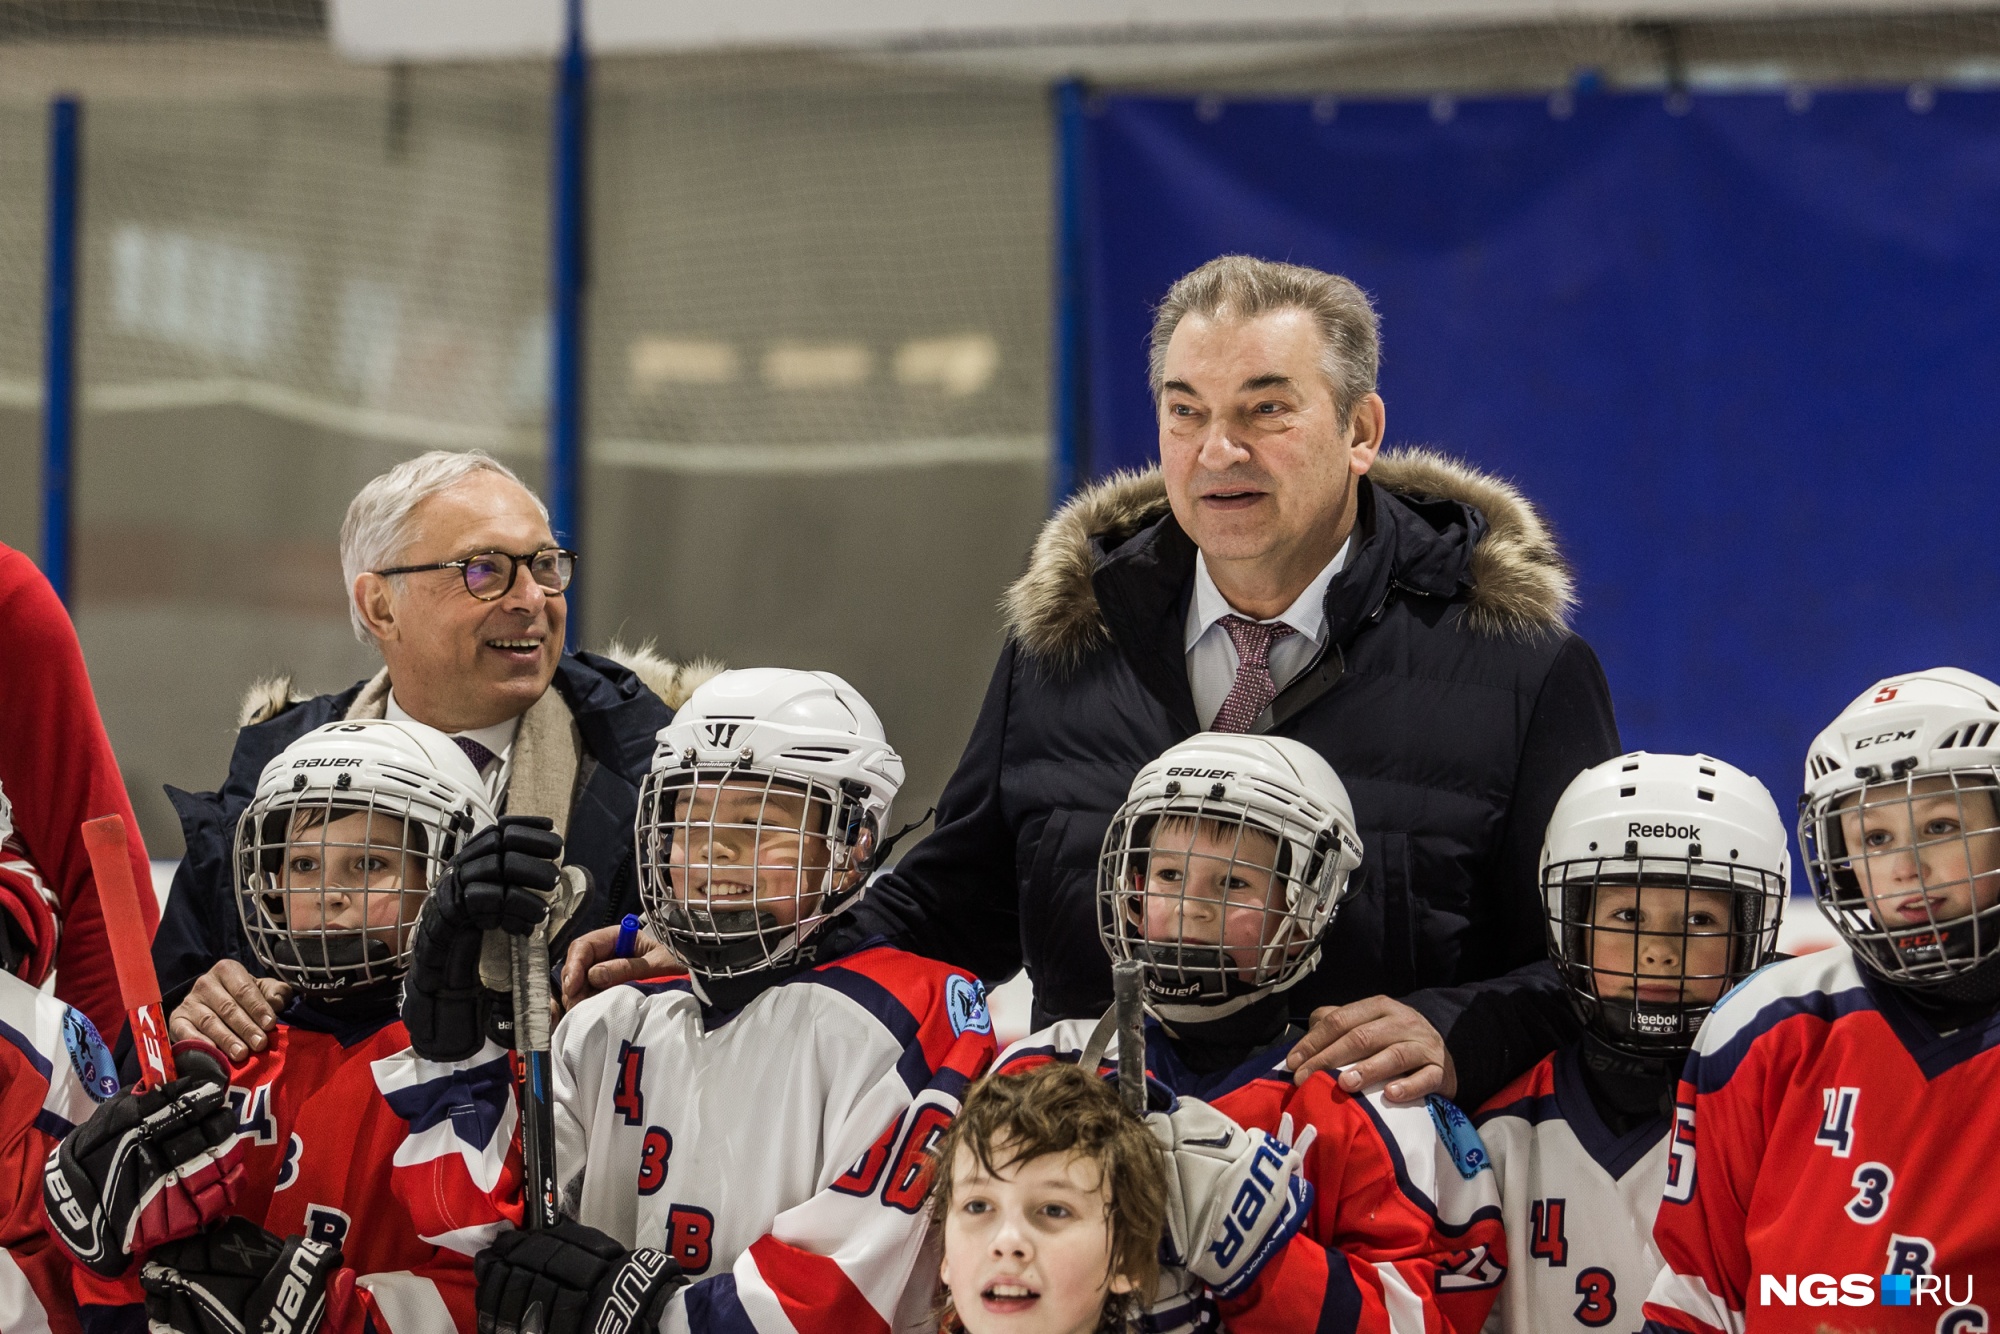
x: 147, y: 1168
x: 239, y: 1279
x: 500, y: 881
x: 1234, y: 1196
x: 571, y: 1277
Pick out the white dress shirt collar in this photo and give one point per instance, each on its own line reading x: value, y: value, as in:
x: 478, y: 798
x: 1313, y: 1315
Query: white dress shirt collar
x: 1307, y: 614
x: 499, y: 738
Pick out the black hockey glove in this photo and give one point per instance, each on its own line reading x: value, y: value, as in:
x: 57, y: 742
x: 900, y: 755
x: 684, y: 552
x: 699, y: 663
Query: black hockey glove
x: 147, y: 1168
x: 499, y: 881
x: 571, y: 1277
x: 239, y: 1279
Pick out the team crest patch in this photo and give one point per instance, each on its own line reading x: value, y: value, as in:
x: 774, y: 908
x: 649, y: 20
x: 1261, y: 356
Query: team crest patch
x: 1455, y: 1128
x: 965, y: 1001
x: 89, y: 1057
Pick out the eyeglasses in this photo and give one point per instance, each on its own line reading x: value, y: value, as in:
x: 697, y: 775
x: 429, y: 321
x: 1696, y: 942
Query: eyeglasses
x: 490, y: 574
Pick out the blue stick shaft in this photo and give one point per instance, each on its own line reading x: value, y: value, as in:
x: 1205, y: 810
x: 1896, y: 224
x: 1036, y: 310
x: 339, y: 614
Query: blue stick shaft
x: 568, y: 277
x: 59, y: 344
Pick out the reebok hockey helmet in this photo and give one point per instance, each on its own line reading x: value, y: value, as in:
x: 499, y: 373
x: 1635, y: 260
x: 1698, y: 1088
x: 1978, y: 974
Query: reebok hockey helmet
x: 351, y: 825
x: 1677, y: 825
x: 1900, y: 828
x: 762, y: 816
x: 1222, y: 870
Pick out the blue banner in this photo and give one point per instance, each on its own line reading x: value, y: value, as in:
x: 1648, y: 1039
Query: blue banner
x: 1745, y: 358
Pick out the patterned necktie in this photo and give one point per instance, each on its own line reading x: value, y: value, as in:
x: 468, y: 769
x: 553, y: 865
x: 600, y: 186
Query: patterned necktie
x: 478, y: 754
x: 1254, y: 689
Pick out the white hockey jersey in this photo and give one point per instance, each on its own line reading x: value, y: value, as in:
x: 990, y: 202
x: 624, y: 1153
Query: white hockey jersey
x: 779, y: 1152
x: 1577, y: 1202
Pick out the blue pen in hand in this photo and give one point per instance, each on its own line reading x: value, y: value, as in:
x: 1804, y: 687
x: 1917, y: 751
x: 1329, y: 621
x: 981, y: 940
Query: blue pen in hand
x: 628, y: 937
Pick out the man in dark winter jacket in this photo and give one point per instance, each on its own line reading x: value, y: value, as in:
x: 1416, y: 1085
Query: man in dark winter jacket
x: 454, y: 576
x: 1402, y: 614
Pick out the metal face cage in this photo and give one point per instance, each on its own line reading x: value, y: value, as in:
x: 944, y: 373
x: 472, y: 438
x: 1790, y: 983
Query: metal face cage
x: 1908, y: 870
x: 1647, y: 945
x: 1216, y: 898
x: 738, y: 867
x: 329, y: 881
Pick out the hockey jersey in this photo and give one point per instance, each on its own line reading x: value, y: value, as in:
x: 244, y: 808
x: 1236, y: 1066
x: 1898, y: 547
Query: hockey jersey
x: 1577, y: 1200
x: 778, y: 1152
x: 1825, y: 1130
x: 344, y: 1128
x: 54, y: 1070
x: 1404, y: 1235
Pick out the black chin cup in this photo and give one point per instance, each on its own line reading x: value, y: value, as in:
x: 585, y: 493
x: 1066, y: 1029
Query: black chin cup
x: 721, y: 940
x: 1641, y: 1028
x: 1185, y: 974
x: 333, y: 962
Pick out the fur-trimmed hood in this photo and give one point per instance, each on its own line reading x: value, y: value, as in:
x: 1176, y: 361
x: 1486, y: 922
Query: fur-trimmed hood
x: 672, y: 681
x: 1517, y: 580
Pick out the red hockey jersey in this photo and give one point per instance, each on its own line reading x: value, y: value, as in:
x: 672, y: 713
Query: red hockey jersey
x: 53, y: 1072
x: 1404, y: 1235
x: 344, y: 1129
x: 1826, y: 1130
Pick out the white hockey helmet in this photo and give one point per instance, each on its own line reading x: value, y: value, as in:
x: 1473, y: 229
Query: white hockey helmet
x: 1672, y: 822
x: 1914, y: 762
x: 1260, y: 816
x: 300, y: 867
x: 756, y: 740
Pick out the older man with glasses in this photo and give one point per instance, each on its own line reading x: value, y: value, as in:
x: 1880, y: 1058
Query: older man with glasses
x: 454, y: 576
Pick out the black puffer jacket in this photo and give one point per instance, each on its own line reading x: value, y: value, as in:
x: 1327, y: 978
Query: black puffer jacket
x: 1452, y: 701
x: 616, y: 712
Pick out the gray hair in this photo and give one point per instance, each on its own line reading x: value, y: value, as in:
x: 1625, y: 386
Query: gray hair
x: 376, y: 530
x: 1244, y: 287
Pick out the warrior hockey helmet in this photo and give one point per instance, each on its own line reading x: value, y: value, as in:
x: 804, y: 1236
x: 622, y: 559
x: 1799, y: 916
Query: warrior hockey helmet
x: 762, y: 816
x: 1900, y: 829
x: 1222, y: 869
x: 350, y: 826
x: 1643, y: 969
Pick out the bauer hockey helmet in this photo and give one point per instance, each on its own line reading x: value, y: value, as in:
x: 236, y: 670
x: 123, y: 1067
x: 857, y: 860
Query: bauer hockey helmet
x: 762, y: 816
x: 1675, y: 825
x: 1900, y: 829
x: 1223, y: 868
x: 351, y: 825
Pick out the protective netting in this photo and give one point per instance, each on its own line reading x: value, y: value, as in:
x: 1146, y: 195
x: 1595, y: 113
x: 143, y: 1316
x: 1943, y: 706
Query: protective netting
x: 818, y: 334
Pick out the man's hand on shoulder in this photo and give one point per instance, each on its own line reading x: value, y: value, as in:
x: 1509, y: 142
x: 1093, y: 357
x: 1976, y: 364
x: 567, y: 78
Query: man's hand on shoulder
x: 230, y: 1008
x: 1376, y: 1039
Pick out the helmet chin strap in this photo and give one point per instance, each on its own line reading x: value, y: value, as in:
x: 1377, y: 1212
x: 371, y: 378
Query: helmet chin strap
x: 1180, y: 1000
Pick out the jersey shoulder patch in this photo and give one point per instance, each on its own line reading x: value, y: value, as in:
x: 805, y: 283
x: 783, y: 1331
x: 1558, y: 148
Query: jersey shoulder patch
x: 965, y: 1003
x: 1460, y: 1138
x: 88, y: 1056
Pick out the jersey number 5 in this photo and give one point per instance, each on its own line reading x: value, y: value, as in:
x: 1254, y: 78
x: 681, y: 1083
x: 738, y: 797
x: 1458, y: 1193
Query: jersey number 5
x: 1680, y: 1158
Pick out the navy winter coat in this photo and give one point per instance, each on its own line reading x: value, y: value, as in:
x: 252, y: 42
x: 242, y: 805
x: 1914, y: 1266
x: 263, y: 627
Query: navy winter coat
x: 1452, y: 701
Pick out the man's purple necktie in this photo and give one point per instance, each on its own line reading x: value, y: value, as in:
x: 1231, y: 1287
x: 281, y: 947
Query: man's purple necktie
x: 1254, y: 689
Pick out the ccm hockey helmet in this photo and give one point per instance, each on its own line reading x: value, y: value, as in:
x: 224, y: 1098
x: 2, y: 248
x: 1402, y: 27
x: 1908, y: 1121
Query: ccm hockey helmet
x: 1222, y: 870
x: 762, y: 816
x: 1643, y: 970
x: 1900, y: 828
x: 351, y: 825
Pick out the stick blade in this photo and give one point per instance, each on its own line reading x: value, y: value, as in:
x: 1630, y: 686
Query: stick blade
x: 131, y: 952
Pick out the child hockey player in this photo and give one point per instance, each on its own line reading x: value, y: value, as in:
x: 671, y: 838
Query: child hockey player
x: 289, y: 1210
x: 1834, y: 1120
x: 1221, y: 874
x: 747, y: 1147
x: 1663, y: 877
x: 1051, y: 1201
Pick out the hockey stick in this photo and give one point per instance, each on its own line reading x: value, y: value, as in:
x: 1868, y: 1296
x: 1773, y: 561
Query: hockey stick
x: 1125, y: 978
x: 131, y: 952
x: 531, y: 1038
